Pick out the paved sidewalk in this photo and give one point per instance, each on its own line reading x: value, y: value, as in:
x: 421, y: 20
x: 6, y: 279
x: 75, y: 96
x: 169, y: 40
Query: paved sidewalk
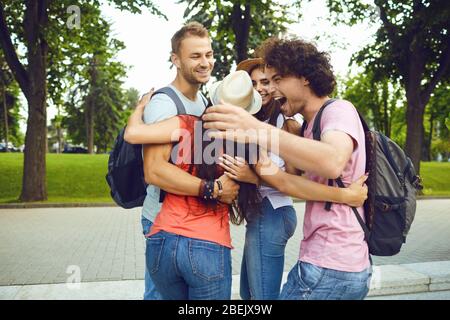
x: 418, y: 281
x: 45, y: 246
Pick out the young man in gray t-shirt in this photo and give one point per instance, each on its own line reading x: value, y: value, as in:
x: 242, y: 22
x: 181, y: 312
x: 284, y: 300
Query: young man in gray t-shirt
x: 193, y: 57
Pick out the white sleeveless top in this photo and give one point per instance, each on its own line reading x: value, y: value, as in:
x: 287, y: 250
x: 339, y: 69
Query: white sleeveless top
x: 276, y: 198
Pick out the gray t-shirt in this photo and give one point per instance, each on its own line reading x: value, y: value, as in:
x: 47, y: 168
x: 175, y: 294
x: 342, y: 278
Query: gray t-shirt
x: 161, y: 107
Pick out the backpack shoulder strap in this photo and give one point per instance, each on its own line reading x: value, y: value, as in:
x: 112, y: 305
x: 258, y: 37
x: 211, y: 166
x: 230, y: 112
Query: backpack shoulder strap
x: 316, y: 131
x: 358, y: 217
x: 172, y: 95
x: 363, y: 122
x: 180, y: 110
x: 303, y: 128
x: 205, y: 100
x: 341, y: 184
x: 316, y: 126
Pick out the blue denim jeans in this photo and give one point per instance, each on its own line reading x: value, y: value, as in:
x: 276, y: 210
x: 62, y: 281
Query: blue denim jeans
x: 150, y: 292
x: 189, y: 269
x: 309, y: 282
x: 263, y: 258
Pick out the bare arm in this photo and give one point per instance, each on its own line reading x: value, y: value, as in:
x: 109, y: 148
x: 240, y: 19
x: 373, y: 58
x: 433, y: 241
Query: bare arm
x: 157, y: 169
x: 165, y: 131
x: 293, y: 127
x: 137, y: 132
x: 303, y: 188
x: 159, y: 172
x: 326, y: 158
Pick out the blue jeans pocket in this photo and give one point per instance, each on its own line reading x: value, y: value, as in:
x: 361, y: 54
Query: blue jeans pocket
x: 340, y: 285
x: 207, y: 259
x: 146, y: 225
x: 353, y: 290
x: 358, y: 290
x: 154, y: 248
x: 290, y: 220
x: 309, y: 275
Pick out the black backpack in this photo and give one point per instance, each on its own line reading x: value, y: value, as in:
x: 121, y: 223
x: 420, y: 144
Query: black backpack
x: 391, y: 203
x: 125, y: 175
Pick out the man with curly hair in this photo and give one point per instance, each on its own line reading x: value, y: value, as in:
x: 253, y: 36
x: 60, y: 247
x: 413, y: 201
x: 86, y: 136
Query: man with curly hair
x: 334, y: 257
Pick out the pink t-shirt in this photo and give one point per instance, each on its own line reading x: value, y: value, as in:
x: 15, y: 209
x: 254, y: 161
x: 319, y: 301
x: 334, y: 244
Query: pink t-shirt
x: 334, y: 239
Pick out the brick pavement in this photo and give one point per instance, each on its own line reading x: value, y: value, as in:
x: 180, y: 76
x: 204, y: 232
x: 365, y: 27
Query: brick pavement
x: 47, y: 245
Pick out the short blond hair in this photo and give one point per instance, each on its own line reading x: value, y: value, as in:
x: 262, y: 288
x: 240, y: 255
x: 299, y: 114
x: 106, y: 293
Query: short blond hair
x: 192, y: 28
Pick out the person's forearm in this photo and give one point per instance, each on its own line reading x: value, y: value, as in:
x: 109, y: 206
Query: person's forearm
x: 133, y: 124
x: 292, y: 170
x: 303, y: 188
x: 162, y: 132
x: 173, y: 179
x: 305, y: 154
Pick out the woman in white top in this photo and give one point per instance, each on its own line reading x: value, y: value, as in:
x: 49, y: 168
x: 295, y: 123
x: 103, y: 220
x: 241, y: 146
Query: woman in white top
x: 267, y: 232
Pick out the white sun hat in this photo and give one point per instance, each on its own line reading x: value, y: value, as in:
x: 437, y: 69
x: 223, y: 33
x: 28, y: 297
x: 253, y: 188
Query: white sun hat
x: 236, y: 89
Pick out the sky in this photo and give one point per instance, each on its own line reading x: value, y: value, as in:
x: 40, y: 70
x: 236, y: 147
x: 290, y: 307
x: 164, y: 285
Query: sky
x: 147, y: 40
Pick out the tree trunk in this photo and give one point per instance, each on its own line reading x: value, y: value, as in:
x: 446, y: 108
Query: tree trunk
x: 89, y: 117
x: 414, y: 129
x: 385, y: 109
x: 34, y: 184
x: 415, y: 104
x: 240, y: 21
x: 5, y: 112
x: 59, y: 134
x: 90, y: 105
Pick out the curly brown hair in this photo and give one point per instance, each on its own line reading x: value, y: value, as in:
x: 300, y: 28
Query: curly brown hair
x: 299, y: 58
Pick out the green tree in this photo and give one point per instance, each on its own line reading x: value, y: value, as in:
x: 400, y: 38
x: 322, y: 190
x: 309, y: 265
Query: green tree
x: 237, y: 27
x: 104, y: 102
x: 9, y: 106
x: 90, y: 52
x: 114, y: 107
x: 437, y: 123
x: 34, y: 25
x: 379, y: 101
x: 412, y: 45
x: 56, y: 134
x: 131, y: 99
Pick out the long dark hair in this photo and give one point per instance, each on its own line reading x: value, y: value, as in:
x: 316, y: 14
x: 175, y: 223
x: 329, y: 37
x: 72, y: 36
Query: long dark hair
x: 270, y: 112
x: 249, y: 198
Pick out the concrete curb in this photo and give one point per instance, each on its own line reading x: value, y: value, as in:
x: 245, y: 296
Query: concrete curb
x: 432, y: 197
x: 388, y: 281
x: 55, y: 205
x: 410, y: 278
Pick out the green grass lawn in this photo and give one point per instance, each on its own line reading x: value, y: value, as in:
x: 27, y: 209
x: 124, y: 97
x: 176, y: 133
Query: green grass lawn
x: 81, y: 178
x: 436, y: 178
x: 70, y: 177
